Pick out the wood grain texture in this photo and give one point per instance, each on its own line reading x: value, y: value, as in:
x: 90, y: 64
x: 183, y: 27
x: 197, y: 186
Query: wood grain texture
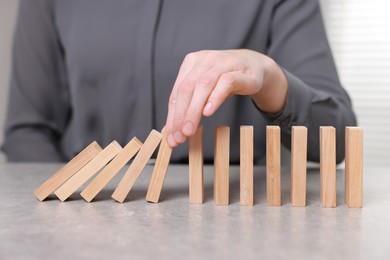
x: 246, y: 165
x: 328, y: 166
x: 112, y: 169
x: 135, y: 169
x: 298, y: 166
x: 221, y: 165
x: 273, y: 166
x: 159, y: 171
x: 67, y: 171
x: 90, y: 169
x: 354, y: 167
x: 195, y: 157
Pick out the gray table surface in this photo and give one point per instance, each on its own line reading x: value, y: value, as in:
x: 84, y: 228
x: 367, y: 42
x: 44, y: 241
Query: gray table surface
x: 105, y: 229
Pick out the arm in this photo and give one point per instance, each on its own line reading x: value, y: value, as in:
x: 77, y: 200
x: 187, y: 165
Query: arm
x: 293, y: 83
x: 315, y: 97
x: 38, y: 108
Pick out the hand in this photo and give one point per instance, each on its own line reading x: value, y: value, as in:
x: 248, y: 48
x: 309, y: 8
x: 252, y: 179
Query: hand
x: 207, y: 78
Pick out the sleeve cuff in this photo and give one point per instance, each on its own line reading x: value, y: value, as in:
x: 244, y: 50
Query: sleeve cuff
x: 296, y: 109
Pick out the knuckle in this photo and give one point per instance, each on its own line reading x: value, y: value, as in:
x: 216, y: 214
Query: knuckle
x: 190, y: 57
x: 212, y: 55
x: 231, y: 61
x: 228, y: 79
x: 172, y: 101
x: 206, y: 80
x: 187, y: 85
x: 203, y: 53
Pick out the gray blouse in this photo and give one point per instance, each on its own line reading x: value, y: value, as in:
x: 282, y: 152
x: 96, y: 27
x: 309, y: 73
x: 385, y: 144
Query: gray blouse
x: 103, y: 70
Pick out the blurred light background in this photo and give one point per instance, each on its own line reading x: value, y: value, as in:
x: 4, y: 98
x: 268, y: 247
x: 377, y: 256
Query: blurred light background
x: 359, y: 34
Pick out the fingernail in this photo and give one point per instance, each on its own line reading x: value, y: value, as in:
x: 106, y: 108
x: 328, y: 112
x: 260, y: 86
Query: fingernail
x: 207, y: 109
x: 178, y: 136
x: 171, y: 141
x: 188, y: 128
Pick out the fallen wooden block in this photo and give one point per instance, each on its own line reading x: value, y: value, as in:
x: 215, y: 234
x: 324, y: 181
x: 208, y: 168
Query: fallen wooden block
x: 67, y: 171
x: 298, y: 166
x: 354, y: 167
x: 195, y: 157
x: 135, y: 169
x: 90, y: 169
x: 246, y: 165
x: 328, y: 166
x: 159, y: 172
x: 273, y: 166
x: 221, y: 165
x: 112, y: 169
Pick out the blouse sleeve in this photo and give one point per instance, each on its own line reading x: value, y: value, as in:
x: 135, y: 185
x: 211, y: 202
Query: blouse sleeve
x: 38, y: 108
x: 315, y: 96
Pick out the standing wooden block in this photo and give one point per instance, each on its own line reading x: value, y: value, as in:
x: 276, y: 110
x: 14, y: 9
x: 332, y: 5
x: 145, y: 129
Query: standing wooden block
x: 298, y: 166
x: 67, y: 171
x: 90, y: 169
x: 137, y: 166
x: 328, y: 166
x: 195, y: 157
x: 221, y: 165
x: 273, y: 166
x: 112, y: 169
x: 246, y: 165
x: 159, y: 172
x: 354, y: 167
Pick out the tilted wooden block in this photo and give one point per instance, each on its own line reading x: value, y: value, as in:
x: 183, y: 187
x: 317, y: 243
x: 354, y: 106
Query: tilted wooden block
x: 221, y: 165
x: 246, y: 165
x: 354, y: 167
x: 67, y: 171
x: 112, y: 169
x: 135, y: 169
x: 273, y: 166
x: 298, y: 166
x: 90, y: 169
x: 328, y: 166
x: 159, y: 171
x: 195, y: 157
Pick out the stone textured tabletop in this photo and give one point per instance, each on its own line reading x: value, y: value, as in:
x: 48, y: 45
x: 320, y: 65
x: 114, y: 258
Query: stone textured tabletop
x: 172, y: 229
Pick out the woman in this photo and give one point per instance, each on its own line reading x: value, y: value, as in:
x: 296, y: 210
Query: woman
x: 111, y: 70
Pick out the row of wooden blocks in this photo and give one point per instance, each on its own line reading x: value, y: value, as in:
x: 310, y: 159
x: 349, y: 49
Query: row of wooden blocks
x: 113, y: 158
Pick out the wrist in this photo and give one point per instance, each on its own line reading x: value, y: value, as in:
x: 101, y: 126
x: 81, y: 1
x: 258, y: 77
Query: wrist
x: 272, y: 95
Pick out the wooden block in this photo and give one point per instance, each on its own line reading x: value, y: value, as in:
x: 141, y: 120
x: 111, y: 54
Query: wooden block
x: 221, y: 165
x: 354, y: 167
x: 273, y: 166
x: 90, y: 169
x: 246, y: 165
x: 112, y: 169
x: 298, y: 166
x: 137, y: 166
x: 195, y: 157
x: 159, y: 171
x: 328, y: 166
x: 67, y: 171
